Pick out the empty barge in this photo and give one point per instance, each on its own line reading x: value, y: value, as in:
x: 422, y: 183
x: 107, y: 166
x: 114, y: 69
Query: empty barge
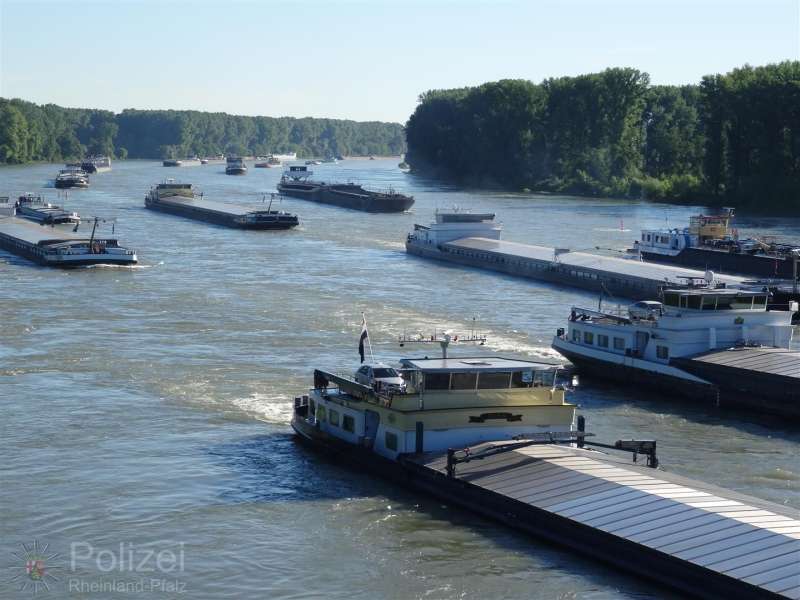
x: 54, y: 247
x: 180, y: 199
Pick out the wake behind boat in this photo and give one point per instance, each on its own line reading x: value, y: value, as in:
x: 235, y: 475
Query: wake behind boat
x: 295, y: 182
x: 180, y: 199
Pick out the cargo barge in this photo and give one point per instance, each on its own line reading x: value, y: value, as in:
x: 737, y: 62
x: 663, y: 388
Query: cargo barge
x: 55, y: 247
x: 497, y: 436
x: 295, y: 182
x: 180, y: 199
x: 38, y: 210
x: 235, y: 166
x: 710, y: 242
x: 473, y: 240
x: 716, y: 345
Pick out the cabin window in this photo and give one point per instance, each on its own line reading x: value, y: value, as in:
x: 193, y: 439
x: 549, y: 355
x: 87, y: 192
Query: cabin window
x: 602, y: 341
x: 391, y: 440
x: 312, y: 407
x: 463, y: 381
x: 671, y: 299
x: 724, y: 303
x: 576, y: 335
x: 742, y: 302
x: 694, y: 302
x: 321, y: 414
x: 349, y: 423
x: 619, y: 343
x: 521, y: 379
x: 493, y: 381
x: 437, y: 381
x: 710, y: 303
x: 760, y: 302
x: 662, y: 352
x: 588, y: 337
x: 333, y: 417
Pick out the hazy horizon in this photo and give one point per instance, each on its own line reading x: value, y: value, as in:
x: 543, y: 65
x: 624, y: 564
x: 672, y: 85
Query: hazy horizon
x: 363, y: 61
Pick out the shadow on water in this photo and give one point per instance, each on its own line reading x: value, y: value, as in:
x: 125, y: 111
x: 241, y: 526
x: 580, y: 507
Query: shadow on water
x: 605, y: 394
x: 278, y: 468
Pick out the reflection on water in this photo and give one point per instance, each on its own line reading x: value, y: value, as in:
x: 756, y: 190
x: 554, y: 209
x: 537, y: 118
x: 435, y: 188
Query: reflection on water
x: 152, y: 404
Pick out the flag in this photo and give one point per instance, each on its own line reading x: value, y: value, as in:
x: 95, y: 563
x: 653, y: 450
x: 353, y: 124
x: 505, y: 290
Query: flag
x: 364, y: 336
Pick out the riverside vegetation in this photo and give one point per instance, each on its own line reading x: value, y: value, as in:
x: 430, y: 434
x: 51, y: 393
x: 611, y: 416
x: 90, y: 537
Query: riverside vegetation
x: 30, y: 132
x: 734, y: 138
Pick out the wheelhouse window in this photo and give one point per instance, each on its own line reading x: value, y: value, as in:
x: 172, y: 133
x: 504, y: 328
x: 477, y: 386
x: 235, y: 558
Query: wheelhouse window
x: 463, y: 381
x: 588, y: 337
x: 662, y: 352
x: 437, y: 381
x: 672, y: 299
x: 384, y: 372
x: 391, y: 440
x: 694, y: 302
x: 494, y: 381
x: 333, y: 417
x: 602, y: 340
x: 349, y: 423
x: 521, y: 379
x: 576, y: 335
x: 619, y: 343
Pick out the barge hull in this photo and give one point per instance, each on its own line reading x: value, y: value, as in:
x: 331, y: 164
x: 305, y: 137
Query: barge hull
x: 724, y: 262
x: 585, y: 481
x: 217, y: 216
x: 364, y: 203
x: 595, y: 273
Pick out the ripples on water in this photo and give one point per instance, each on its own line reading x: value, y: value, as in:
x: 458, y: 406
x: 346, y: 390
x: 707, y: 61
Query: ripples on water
x: 151, y: 405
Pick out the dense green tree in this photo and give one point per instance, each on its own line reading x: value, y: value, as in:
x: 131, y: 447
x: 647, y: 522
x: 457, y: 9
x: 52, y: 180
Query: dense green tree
x: 734, y: 137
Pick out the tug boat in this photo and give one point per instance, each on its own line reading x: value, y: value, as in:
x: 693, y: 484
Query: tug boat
x: 715, y: 344
x: 235, y: 166
x: 36, y: 209
x: 442, y: 403
x: 710, y: 242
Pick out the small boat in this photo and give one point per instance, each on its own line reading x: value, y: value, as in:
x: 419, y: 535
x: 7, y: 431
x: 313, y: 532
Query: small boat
x: 313, y: 162
x: 35, y: 208
x: 235, y: 166
x: 72, y: 177
x: 172, y: 162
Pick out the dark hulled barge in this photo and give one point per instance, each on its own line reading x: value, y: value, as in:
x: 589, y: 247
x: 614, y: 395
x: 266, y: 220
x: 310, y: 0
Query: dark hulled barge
x: 296, y: 183
x: 180, y: 199
x: 710, y: 242
x: 55, y: 247
x: 38, y: 210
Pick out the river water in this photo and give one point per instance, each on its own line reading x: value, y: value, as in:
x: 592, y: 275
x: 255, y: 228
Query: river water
x: 149, y: 407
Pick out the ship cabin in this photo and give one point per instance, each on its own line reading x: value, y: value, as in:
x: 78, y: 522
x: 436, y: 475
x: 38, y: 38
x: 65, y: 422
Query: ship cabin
x: 665, y: 241
x: 454, y: 225
x: 297, y: 172
x: 446, y: 403
x: 170, y: 188
x: 687, y: 322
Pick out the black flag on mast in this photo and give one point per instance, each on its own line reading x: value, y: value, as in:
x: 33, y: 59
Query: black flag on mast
x: 364, y: 336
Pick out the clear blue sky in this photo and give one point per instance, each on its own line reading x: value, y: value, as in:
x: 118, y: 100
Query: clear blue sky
x: 363, y: 60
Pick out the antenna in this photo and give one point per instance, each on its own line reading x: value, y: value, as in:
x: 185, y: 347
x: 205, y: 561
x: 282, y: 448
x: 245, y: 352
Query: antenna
x: 444, y: 338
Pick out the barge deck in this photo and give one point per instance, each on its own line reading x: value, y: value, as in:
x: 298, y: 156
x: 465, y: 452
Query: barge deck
x: 703, y: 540
x: 627, y: 278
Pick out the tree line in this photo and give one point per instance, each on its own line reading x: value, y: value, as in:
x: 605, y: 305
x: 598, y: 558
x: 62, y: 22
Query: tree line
x: 31, y: 132
x: 733, y: 138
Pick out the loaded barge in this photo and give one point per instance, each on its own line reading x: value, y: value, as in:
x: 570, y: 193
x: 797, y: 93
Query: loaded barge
x: 497, y: 436
x: 474, y: 240
x: 180, y: 199
x: 54, y: 247
x: 295, y: 182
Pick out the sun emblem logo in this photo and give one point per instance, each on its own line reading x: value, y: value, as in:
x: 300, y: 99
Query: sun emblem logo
x: 35, y: 569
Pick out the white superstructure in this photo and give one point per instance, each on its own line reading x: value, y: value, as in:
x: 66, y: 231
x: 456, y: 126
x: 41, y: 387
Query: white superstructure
x: 454, y: 225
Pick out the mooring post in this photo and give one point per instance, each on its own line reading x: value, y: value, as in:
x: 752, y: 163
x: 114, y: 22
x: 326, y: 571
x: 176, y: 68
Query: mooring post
x: 451, y: 467
x: 581, y: 429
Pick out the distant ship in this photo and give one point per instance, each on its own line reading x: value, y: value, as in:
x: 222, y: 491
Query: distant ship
x: 711, y: 243
x: 96, y: 164
x: 235, y: 166
x: 285, y: 157
x: 182, y: 162
x: 296, y: 183
x: 72, y: 177
x: 35, y: 208
x: 270, y: 162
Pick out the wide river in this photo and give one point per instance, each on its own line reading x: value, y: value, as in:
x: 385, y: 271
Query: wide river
x: 149, y: 407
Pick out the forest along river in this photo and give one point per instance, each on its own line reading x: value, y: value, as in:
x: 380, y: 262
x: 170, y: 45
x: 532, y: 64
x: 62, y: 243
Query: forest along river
x: 150, y: 406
